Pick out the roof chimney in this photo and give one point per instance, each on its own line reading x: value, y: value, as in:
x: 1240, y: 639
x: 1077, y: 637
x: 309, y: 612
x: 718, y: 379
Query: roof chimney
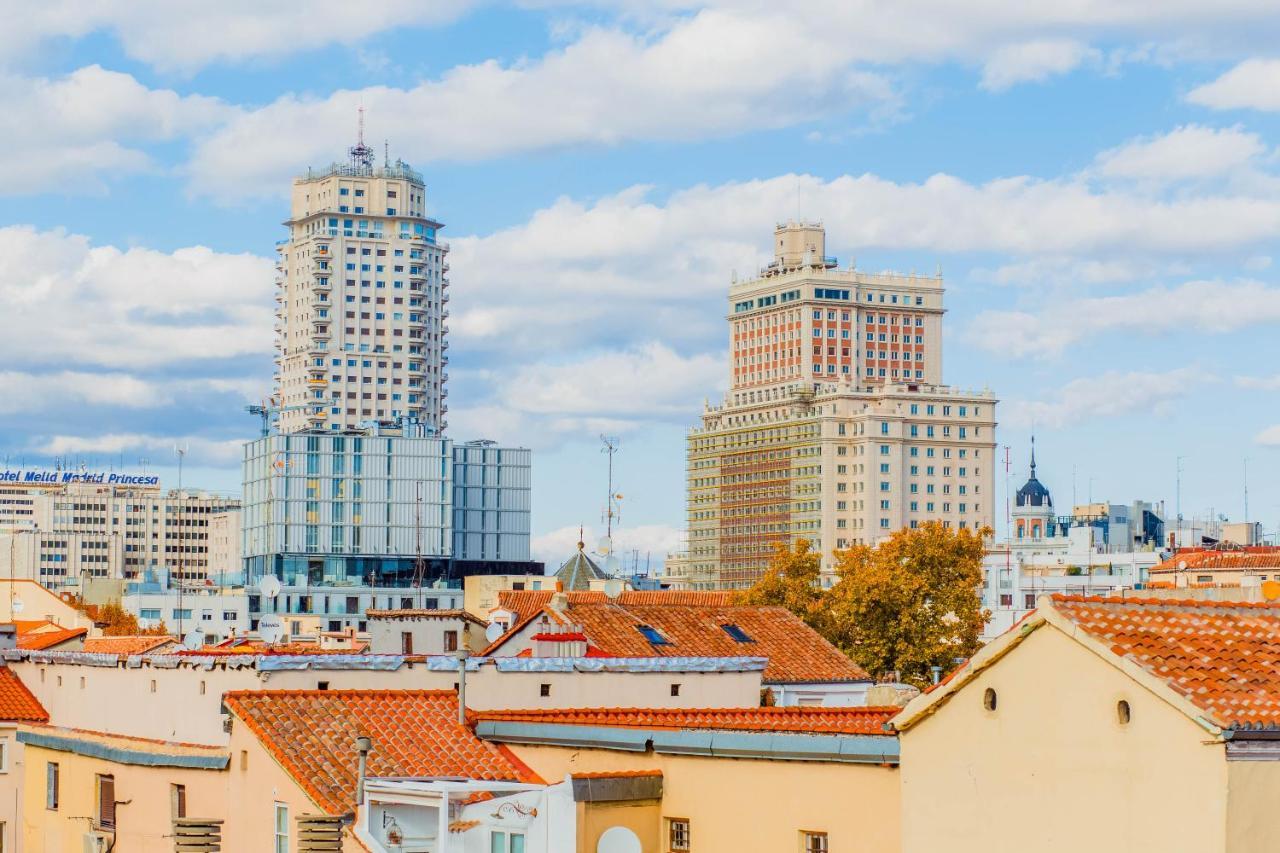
x: 559, y: 603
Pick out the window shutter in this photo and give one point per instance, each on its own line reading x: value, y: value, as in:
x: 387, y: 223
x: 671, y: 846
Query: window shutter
x: 107, y: 802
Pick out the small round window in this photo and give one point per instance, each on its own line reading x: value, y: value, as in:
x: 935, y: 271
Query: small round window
x: 989, y: 699
x: 1123, y: 714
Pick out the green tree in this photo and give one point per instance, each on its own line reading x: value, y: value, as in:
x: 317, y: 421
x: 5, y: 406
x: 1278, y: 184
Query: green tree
x: 910, y: 603
x: 792, y: 581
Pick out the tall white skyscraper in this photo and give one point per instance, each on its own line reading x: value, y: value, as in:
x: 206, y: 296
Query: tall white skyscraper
x: 362, y: 290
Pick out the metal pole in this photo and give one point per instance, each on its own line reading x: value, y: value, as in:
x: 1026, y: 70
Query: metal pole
x: 462, y: 655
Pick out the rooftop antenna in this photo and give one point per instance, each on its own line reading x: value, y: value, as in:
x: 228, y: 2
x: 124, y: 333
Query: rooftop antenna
x: 361, y: 154
x: 611, y: 503
x: 1246, y: 489
x: 1178, y: 488
x: 419, y: 565
x: 386, y: 154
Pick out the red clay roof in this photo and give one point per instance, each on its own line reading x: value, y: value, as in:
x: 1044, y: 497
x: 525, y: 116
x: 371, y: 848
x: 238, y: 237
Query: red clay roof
x: 312, y: 734
x: 257, y: 648
x: 1224, y: 657
x: 861, y: 720
x: 1209, y: 560
x: 125, y: 645
x: 618, y: 774
x: 40, y: 640
x: 527, y: 602
x: 796, y: 653
x: 17, y: 703
x: 413, y: 613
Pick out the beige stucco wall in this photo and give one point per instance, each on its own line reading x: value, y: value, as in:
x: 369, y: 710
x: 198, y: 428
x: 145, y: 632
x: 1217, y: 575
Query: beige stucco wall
x: 1052, y: 770
x: 11, y: 788
x: 747, y: 804
x: 1253, y: 821
x: 143, y: 816
x: 428, y: 634
x: 122, y: 700
x: 644, y: 818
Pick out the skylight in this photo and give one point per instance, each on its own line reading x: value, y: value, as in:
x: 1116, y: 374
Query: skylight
x: 653, y: 635
x: 737, y: 633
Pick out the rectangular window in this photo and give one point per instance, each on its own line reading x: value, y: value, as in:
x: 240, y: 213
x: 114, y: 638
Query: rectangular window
x: 282, y: 828
x: 737, y: 633
x: 450, y: 641
x: 51, y: 786
x: 106, y: 803
x: 4, y: 755
x: 178, y: 800
x: 677, y: 834
x: 506, y: 842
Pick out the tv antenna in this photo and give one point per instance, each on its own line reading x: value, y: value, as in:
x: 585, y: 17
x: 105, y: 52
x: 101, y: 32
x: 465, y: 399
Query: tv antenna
x: 612, y: 507
x: 361, y: 154
x: 419, y: 565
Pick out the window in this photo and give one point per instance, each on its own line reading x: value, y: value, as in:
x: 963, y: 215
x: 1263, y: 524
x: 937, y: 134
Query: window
x: 105, y: 817
x: 406, y: 642
x: 4, y: 755
x: 653, y: 635
x: 677, y: 834
x: 544, y: 689
x: 282, y: 828
x: 506, y: 842
x: 989, y: 699
x: 178, y: 800
x: 1123, y: 712
x: 737, y: 633
x: 450, y: 641
x: 675, y: 689
x: 814, y: 842
x: 51, y: 786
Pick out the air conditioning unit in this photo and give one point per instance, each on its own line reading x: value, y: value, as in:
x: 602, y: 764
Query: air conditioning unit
x: 97, y: 842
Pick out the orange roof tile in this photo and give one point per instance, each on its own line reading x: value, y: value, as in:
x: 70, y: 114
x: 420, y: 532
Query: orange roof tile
x: 40, y: 640
x: 618, y: 774
x: 17, y: 703
x: 1225, y: 560
x: 527, y: 602
x: 258, y: 648
x: 312, y: 734
x: 413, y: 613
x: 1224, y: 657
x: 463, y: 825
x: 860, y: 720
x: 796, y: 653
x: 126, y: 645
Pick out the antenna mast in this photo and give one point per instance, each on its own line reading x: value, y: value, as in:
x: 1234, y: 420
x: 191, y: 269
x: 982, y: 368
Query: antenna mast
x: 419, y: 566
x: 361, y: 154
x: 611, y: 510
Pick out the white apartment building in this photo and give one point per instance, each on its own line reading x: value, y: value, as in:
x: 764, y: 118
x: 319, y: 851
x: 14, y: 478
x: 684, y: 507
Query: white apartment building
x: 362, y: 290
x: 92, y: 528
x: 836, y: 427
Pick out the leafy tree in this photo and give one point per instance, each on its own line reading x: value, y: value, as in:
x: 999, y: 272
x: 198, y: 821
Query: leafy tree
x: 911, y: 602
x: 792, y: 581
x: 118, y: 622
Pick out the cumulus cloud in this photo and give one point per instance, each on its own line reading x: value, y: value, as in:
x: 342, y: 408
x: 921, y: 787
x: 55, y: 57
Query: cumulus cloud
x: 1033, y: 62
x: 66, y: 301
x: 66, y: 134
x: 1190, y: 151
x: 31, y: 392
x: 1269, y: 437
x: 1207, y: 306
x: 1109, y: 395
x: 200, y: 449
x: 1253, y: 84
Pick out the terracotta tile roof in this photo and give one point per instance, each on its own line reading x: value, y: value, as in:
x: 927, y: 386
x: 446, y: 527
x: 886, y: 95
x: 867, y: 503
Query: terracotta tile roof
x: 527, y: 602
x: 126, y: 645
x: 257, y: 648
x: 1223, y: 657
x: 154, y: 746
x: 17, y: 703
x: 861, y: 720
x: 618, y: 774
x: 312, y: 735
x: 463, y: 825
x: 796, y: 653
x: 1220, y: 560
x: 413, y: 613
x: 41, y: 640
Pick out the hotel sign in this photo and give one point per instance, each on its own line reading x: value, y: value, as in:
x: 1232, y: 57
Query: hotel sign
x: 52, y: 478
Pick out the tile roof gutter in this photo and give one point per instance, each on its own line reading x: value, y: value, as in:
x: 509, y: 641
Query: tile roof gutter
x: 774, y: 746
x: 123, y: 755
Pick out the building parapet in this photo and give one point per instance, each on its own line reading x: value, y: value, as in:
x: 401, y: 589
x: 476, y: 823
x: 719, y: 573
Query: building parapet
x: 399, y: 171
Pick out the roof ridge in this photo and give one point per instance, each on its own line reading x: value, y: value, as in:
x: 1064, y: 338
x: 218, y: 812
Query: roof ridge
x: 1161, y: 602
x: 345, y: 691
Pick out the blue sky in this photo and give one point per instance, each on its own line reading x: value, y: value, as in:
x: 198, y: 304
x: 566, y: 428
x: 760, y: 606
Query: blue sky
x: 1099, y: 183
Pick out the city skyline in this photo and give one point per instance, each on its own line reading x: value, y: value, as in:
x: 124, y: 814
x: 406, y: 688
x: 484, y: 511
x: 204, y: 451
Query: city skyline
x: 1112, y: 284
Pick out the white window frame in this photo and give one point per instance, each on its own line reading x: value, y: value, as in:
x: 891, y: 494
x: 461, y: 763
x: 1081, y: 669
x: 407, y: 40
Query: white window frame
x: 281, y: 835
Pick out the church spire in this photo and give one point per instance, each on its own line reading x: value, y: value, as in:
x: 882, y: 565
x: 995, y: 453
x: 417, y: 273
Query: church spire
x: 1033, y: 455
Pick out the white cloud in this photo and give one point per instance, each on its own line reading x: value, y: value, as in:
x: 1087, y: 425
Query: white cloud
x: 1207, y: 306
x: 65, y: 135
x: 652, y: 541
x: 1253, y: 84
x: 1190, y: 151
x: 200, y: 450
x: 1259, y: 383
x: 1033, y: 62
x: 1109, y: 395
x: 1269, y: 437
x: 183, y: 35
x: 32, y: 392
x: 67, y: 302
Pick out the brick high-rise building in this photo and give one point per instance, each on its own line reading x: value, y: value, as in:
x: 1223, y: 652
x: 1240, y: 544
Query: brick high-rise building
x: 362, y: 290
x: 836, y: 427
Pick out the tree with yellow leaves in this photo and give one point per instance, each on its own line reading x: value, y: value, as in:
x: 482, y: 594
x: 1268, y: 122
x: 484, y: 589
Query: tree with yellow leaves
x: 792, y: 581
x: 115, y: 621
x: 910, y: 603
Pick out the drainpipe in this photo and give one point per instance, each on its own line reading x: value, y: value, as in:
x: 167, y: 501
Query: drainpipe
x: 363, y: 746
x: 461, y: 655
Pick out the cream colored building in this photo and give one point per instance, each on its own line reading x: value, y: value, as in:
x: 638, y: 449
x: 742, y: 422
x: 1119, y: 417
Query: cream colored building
x: 1110, y: 725
x: 836, y: 427
x: 480, y: 592
x: 361, y: 299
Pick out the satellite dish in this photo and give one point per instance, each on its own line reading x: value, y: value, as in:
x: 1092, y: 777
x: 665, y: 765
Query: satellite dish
x: 613, y: 586
x: 271, y: 629
x: 269, y: 586
x: 193, y: 640
x: 493, y: 632
x: 18, y: 606
x: 1271, y: 590
x: 604, y: 546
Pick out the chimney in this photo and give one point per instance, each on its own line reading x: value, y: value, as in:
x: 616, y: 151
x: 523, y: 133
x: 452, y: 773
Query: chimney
x: 8, y: 636
x: 559, y: 603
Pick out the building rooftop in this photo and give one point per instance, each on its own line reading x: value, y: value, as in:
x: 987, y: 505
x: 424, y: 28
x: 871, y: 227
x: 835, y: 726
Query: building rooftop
x: 795, y: 652
x: 861, y: 721
x: 17, y: 703
x: 415, y: 733
x: 44, y: 635
x: 579, y: 571
x: 1193, y: 560
x: 126, y: 645
x: 417, y: 613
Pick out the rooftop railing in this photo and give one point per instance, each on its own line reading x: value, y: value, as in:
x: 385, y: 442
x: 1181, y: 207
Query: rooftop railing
x: 396, y: 171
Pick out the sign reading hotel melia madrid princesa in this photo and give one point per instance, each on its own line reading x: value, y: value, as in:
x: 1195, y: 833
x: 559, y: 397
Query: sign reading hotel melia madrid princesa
x: 51, y: 478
